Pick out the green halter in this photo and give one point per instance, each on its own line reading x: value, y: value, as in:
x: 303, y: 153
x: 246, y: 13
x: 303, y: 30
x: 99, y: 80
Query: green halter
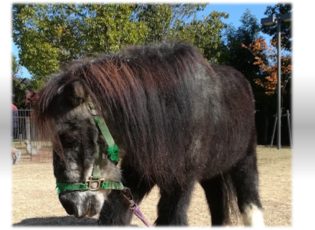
x: 96, y: 182
x: 91, y: 185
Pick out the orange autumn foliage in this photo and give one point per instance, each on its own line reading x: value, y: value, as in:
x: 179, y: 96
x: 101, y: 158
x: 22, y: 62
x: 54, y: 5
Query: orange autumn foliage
x: 266, y: 59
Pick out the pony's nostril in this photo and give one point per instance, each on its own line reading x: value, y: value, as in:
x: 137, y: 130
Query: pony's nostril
x: 67, y: 205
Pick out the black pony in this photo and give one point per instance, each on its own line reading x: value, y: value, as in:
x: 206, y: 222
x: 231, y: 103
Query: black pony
x: 176, y: 119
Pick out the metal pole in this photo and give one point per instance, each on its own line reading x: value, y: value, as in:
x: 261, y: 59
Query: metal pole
x: 289, y: 126
x: 279, y: 80
x: 274, y: 130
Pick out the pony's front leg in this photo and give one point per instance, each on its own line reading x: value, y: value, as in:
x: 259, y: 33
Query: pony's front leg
x: 173, y: 204
x: 115, y: 210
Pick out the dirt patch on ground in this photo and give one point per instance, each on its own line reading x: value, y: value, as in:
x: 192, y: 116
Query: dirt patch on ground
x: 37, y: 202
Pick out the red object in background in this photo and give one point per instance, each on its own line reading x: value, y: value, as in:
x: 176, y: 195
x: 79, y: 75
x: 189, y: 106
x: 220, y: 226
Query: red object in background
x: 31, y: 97
x: 14, y: 108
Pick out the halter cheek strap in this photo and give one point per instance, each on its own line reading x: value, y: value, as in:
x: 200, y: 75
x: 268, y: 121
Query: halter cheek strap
x: 112, y: 149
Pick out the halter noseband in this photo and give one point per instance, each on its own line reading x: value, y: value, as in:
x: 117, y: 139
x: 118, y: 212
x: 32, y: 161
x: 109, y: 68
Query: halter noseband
x: 95, y: 181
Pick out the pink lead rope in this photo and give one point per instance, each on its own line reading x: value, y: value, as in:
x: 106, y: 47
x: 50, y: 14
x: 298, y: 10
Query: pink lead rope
x: 134, y: 207
x: 137, y: 212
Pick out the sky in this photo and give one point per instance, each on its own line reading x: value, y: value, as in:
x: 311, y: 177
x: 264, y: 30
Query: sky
x: 235, y: 12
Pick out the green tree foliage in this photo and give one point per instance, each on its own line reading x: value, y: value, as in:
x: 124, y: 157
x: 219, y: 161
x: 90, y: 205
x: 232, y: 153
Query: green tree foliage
x: 109, y: 28
x: 238, y: 56
x: 32, y: 35
x: 15, y: 66
x: 157, y: 18
x: 50, y: 35
x: 19, y: 85
x: 286, y: 28
x: 206, y: 34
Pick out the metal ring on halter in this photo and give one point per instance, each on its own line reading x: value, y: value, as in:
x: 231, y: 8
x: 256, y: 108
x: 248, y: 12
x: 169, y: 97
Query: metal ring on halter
x: 94, y: 184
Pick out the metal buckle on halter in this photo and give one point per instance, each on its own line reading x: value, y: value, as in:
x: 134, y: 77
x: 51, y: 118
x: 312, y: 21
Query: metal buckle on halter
x: 94, y: 184
x: 92, y: 109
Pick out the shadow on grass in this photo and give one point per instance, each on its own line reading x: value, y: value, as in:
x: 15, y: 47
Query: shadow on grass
x: 56, y: 221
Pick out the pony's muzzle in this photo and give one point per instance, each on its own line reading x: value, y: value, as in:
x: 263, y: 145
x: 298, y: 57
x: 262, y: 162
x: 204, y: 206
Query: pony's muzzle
x: 67, y: 204
x: 72, y: 203
x: 80, y: 204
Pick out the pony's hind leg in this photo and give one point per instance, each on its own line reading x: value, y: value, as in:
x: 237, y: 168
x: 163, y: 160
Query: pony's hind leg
x: 173, y: 204
x: 244, y: 177
x: 216, y: 199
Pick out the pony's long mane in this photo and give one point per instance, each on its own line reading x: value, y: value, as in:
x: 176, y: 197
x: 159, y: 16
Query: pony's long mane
x: 136, y: 89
